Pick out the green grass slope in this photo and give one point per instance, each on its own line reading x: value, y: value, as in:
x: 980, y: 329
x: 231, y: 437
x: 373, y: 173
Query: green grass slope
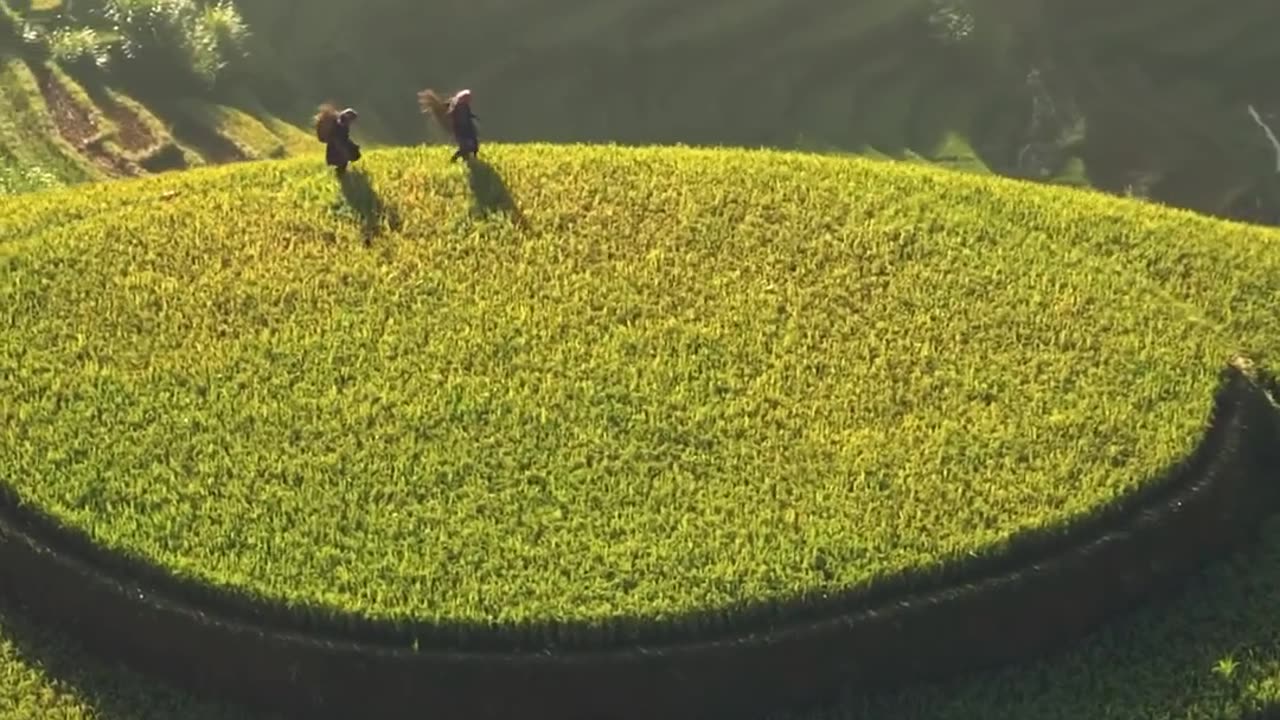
x: 693, y: 372
x: 856, y: 310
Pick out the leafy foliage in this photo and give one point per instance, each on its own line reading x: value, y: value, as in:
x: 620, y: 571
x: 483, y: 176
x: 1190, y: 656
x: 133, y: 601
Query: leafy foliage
x: 18, y: 35
x: 223, y: 23
x: 18, y: 179
x: 177, y: 41
x: 80, y: 48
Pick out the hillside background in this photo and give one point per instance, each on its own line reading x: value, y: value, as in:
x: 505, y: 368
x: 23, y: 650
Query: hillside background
x: 1170, y: 100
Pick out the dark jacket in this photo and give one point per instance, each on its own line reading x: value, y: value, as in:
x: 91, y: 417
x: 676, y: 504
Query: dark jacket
x: 464, y: 125
x: 340, y: 150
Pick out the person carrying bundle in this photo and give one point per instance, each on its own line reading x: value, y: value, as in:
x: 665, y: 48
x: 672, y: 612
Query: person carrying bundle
x: 456, y: 118
x: 333, y: 128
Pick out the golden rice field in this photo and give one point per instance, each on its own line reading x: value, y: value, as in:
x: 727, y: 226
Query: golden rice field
x: 601, y: 384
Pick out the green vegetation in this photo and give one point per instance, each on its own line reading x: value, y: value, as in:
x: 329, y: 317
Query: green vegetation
x: 153, y: 44
x: 1148, y: 100
x: 696, y: 371
x: 123, y: 88
x: 1028, y: 88
x: 14, y: 180
x: 55, y: 130
x: 423, y: 399
x: 225, y: 133
x: 30, y: 143
x: 295, y: 140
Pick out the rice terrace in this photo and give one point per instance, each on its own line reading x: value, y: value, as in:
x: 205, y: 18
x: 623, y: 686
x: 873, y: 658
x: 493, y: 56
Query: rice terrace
x: 897, y: 359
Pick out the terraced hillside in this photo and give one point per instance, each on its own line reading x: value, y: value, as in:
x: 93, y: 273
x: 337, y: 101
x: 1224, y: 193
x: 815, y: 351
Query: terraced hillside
x: 60, y: 132
x: 1148, y: 98
x: 59, y: 127
x: 793, y: 423
x: 1164, y: 100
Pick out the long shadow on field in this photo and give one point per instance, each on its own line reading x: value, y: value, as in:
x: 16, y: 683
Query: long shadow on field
x: 491, y: 194
x: 110, y: 692
x: 359, y: 195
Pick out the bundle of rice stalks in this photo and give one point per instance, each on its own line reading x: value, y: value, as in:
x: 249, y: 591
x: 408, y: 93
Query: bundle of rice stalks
x: 436, y: 106
x: 326, y: 122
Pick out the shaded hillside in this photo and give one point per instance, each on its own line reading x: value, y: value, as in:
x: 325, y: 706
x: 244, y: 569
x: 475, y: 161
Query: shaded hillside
x: 1163, y: 100
x: 1148, y: 98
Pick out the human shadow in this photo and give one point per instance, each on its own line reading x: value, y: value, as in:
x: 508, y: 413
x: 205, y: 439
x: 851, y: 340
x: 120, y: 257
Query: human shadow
x: 359, y: 195
x: 490, y: 193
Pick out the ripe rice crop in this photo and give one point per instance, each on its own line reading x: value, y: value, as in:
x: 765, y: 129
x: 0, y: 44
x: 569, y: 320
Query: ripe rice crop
x: 672, y: 380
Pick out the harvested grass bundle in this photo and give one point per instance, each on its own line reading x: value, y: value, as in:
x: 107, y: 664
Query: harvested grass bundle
x: 326, y: 122
x: 432, y: 104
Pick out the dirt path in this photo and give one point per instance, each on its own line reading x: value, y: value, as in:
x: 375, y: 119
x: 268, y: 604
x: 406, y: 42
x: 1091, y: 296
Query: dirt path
x: 74, y: 122
x: 133, y: 135
x: 77, y: 125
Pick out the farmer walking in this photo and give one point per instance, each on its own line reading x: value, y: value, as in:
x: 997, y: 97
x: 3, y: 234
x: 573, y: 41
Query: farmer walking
x: 457, y: 119
x: 333, y: 128
x: 464, y: 126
